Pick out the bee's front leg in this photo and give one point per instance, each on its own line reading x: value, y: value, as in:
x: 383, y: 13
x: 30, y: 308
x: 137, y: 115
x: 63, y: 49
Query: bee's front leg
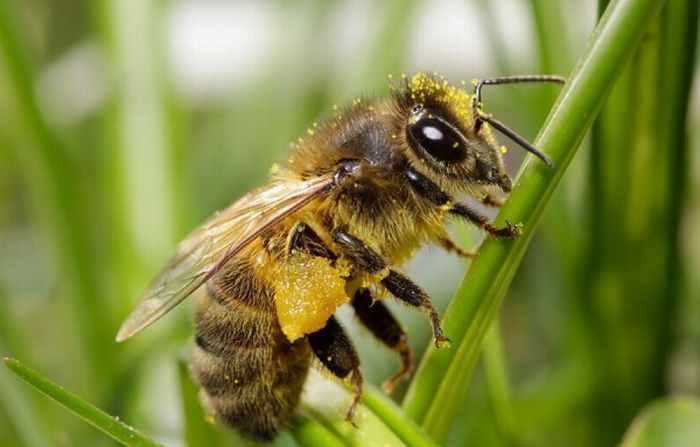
x: 397, y: 284
x: 335, y: 351
x: 462, y: 210
x: 432, y: 192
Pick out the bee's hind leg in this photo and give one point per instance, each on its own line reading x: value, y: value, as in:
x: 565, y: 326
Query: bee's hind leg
x: 397, y: 284
x: 376, y: 317
x: 335, y: 351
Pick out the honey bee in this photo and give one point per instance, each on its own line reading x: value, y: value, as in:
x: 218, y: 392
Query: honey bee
x: 359, y: 194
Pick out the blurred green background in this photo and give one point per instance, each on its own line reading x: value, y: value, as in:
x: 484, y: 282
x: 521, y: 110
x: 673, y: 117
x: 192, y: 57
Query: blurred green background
x: 124, y: 123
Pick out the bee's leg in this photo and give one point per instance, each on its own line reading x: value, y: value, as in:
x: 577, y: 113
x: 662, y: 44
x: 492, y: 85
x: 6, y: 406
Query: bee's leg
x: 428, y: 189
x: 335, y: 351
x: 449, y: 245
x: 397, y: 284
x: 377, y: 318
x: 409, y: 293
x: 304, y: 238
x: 493, y: 201
x: 461, y: 210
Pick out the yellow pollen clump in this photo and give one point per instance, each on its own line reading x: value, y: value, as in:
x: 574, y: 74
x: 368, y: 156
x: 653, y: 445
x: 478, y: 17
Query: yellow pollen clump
x: 308, y: 291
x: 503, y: 149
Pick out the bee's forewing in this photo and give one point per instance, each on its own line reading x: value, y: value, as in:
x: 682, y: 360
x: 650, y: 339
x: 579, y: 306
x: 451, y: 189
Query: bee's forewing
x: 213, y: 244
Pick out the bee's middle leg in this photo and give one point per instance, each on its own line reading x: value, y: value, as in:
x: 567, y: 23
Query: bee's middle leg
x: 377, y: 318
x: 334, y: 349
x: 449, y: 245
x: 397, y: 284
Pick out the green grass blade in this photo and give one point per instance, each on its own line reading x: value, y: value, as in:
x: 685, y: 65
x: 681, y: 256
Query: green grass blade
x: 442, y: 375
x: 28, y: 426
x: 499, y: 388
x: 309, y: 432
x: 394, y: 418
x: 113, y: 427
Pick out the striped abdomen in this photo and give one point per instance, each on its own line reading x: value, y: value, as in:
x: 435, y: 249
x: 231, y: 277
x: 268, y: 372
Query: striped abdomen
x: 251, y: 375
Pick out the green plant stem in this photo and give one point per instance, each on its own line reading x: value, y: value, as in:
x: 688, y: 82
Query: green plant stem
x: 113, y: 427
x: 498, y: 386
x: 309, y: 432
x: 392, y: 416
x: 442, y: 376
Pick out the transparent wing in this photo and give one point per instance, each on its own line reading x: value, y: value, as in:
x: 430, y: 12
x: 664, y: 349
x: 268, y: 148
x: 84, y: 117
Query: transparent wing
x: 208, y: 248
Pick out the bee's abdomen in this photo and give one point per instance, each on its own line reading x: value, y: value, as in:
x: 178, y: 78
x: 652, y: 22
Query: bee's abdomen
x: 251, y: 375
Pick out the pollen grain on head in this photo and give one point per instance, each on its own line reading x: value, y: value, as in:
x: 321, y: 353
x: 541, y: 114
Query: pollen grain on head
x: 424, y: 87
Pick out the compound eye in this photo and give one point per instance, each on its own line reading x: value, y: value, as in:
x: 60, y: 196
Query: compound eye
x: 440, y: 140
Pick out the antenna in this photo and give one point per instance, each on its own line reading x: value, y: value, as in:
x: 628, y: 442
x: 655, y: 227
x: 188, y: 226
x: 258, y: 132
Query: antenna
x: 481, y: 117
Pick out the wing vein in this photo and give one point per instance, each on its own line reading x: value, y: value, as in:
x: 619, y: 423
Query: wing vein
x: 211, y: 246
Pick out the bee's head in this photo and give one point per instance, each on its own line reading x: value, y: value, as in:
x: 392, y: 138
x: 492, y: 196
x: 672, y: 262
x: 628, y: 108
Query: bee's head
x: 440, y: 132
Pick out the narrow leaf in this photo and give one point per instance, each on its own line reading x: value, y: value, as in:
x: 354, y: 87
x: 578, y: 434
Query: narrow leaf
x: 111, y: 426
